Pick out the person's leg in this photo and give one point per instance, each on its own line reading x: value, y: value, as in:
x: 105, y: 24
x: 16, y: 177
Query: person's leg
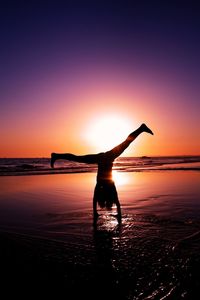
x: 89, y: 159
x: 116, y: 151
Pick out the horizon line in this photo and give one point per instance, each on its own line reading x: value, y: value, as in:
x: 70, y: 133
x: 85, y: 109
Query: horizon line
x: 141, y: 156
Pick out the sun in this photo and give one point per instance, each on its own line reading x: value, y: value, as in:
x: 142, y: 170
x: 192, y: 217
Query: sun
x: 108, y: 131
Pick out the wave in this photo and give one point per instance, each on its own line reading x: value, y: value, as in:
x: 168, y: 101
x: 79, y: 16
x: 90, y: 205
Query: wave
x: 39, y: 166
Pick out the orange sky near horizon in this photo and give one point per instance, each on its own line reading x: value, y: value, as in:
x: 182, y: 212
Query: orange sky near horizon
x: 59, y: 118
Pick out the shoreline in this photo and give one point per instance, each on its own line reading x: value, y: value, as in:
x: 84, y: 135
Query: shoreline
x: 62, y: 171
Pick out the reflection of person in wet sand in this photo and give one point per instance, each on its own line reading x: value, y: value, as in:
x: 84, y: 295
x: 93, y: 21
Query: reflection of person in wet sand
x: 105, y: 193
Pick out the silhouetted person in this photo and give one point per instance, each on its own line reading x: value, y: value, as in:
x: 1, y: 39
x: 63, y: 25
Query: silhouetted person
x: 105, y: 193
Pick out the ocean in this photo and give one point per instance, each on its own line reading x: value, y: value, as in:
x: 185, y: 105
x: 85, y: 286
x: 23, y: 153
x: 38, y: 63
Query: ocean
x: 50, y: 243
x: 37, y: 166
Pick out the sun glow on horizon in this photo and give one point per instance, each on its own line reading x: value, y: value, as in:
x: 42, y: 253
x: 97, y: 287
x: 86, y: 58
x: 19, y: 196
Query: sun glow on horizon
x: 108, y: 131
x: 120, y: 178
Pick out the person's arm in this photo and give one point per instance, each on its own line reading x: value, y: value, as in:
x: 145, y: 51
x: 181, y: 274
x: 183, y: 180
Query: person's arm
x: 95, y: 213
x: 118, y: 210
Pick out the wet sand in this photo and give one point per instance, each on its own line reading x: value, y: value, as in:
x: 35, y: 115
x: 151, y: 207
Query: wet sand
x: 51, y: 247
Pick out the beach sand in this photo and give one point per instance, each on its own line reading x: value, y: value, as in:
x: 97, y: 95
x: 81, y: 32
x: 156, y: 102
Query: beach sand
x: 51, y: 247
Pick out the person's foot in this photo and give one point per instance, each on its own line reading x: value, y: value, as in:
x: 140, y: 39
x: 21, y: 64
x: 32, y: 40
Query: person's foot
x: 53, y: 159
x: 146, y: 129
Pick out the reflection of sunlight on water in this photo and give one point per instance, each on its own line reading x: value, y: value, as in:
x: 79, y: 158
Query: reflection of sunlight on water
x: 120, y: 178
x: 109, y: 222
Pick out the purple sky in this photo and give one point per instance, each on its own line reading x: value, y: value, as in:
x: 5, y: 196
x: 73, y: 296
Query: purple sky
x: 58, y: 57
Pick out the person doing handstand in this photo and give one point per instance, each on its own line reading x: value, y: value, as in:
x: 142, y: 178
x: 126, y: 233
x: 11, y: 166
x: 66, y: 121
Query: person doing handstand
x: 105, y: 193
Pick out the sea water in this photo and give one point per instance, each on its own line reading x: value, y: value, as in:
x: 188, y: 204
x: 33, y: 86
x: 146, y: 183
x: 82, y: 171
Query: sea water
x: 31, y: 166
x: 152, y: 254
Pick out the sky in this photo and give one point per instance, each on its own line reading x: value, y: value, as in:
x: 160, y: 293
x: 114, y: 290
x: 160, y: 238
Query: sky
x: 79, y: 76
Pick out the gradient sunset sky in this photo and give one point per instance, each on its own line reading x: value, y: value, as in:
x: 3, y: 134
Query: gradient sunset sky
x: 79, y: 76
